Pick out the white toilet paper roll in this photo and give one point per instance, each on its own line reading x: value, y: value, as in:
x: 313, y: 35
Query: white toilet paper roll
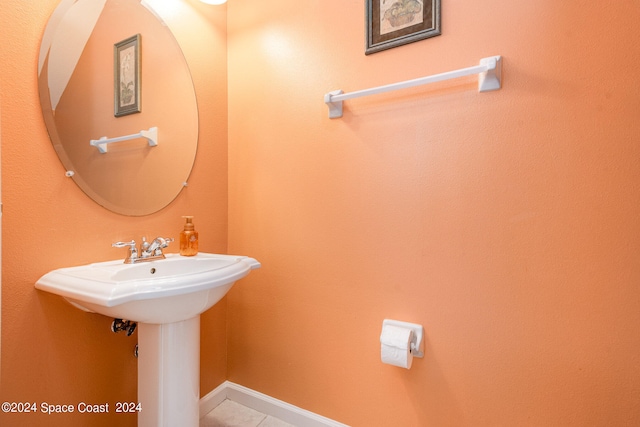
x: 395, y: 346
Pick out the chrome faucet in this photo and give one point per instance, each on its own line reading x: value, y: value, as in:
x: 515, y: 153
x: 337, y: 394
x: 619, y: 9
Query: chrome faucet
x: 149, y: 251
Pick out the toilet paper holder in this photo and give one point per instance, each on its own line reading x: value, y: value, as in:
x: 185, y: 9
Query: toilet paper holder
x: 417, y: 337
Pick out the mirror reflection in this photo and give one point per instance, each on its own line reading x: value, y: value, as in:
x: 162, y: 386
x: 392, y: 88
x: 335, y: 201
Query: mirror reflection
x: 94, y: 84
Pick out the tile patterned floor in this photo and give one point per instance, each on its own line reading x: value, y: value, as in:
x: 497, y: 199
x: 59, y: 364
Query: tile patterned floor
x: 232, y: 414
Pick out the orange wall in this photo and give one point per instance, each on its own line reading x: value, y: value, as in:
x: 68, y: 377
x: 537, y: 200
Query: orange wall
x: 506, y: 222
x: 52, y: 352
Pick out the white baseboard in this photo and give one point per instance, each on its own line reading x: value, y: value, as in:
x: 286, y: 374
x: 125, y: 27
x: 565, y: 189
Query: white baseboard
x: 213, y: 399
x: 267, y: 405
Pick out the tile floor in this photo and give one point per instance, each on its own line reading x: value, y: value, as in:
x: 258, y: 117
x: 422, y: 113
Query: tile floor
x: 232, y: 414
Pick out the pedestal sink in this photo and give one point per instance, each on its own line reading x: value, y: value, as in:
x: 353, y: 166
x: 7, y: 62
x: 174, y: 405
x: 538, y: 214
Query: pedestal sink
x: 166, y: 298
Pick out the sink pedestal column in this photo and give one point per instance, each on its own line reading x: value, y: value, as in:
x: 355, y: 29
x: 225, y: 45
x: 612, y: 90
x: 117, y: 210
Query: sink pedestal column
x: 169, y: 374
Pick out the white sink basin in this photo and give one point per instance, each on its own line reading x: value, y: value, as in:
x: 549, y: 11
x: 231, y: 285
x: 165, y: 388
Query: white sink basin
x: 166, y: 298
x: 163, y: 291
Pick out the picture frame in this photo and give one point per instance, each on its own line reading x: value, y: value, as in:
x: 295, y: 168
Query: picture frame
x: 392, y: 23
x: 126, y: 72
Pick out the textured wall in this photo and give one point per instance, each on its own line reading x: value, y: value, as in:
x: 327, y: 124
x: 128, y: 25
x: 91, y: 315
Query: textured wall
x: 52, y: 352
x: 505, y: 222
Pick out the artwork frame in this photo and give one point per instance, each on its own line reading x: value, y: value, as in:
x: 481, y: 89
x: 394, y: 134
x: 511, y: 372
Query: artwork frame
x: 126, y: 76
x: 392, y: 23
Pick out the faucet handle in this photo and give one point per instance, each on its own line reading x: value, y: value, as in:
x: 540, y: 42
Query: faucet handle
x: 131, y: 244
x: 154, y: 248
x: 133, y: 252
x: 159, y: 243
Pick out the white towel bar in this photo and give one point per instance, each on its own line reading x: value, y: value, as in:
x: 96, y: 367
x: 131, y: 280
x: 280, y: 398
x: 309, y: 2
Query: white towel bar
x: 490, y: 70
x: 151, y: 135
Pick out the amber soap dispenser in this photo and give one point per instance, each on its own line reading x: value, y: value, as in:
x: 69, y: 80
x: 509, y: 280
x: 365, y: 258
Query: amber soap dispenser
x: 188, y: 238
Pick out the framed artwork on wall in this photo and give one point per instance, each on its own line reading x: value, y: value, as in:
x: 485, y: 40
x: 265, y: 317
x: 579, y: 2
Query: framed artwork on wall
x: 392, y: 23
x: 127, y: 76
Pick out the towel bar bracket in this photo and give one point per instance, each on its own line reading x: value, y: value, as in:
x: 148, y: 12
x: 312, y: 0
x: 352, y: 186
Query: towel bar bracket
x: 492, y: 78
x: 335, y: 107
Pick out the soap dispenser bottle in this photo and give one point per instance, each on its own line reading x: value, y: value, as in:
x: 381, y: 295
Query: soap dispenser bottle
x: 188, y: 238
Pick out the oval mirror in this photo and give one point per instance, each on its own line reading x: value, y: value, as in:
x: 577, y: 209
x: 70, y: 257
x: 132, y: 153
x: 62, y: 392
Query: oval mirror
x: 110, y: 69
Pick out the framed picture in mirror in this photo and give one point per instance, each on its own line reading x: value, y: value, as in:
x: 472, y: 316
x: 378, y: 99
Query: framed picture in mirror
x: 127, y: 76
x: 391, y: 23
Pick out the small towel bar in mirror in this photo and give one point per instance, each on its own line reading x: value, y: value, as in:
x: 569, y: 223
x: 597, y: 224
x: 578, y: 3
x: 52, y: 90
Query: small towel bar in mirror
x: 151, y: 135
